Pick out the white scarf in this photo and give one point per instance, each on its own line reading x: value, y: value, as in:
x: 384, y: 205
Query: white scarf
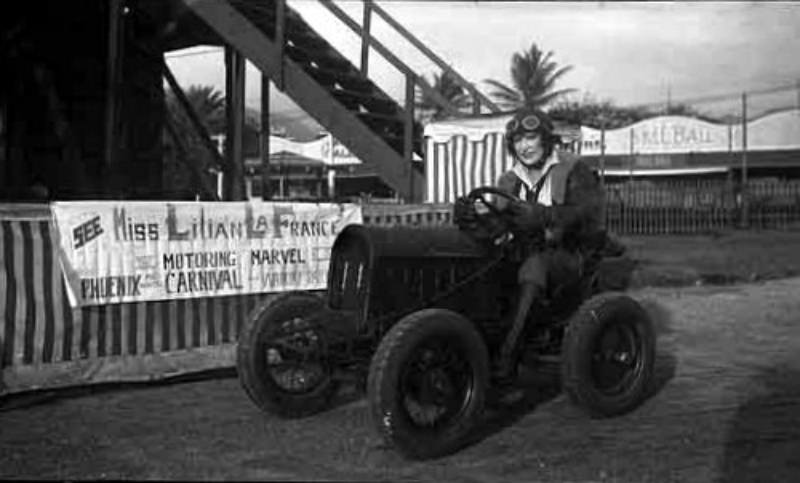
x: 529, y: 179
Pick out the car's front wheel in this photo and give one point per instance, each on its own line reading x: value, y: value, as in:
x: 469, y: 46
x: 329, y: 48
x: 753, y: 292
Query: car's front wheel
x: 282, y: 358
x: 608, y: 354
x: 427, y: 383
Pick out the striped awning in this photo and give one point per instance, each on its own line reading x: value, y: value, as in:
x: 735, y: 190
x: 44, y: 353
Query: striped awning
x: 456, y: 166
x: 463, y: 154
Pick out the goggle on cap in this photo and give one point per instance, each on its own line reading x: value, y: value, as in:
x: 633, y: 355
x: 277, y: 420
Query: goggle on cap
x: 526, y: 121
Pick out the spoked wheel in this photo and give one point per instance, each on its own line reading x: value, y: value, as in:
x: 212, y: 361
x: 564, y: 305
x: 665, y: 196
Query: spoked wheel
x: 608, y: 355
x: 292, y: 356
x: 282, y: 358
x: 427, y: 383
x: 436, y: 386
x: 616, y: 359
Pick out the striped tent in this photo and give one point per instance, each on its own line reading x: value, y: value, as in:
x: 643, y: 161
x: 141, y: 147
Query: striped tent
x: 463, y: 154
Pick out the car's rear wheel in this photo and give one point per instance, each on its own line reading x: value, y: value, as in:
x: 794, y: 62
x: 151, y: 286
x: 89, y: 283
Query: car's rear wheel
x: 608, y: 354
x: 427, y: 383
x: 282, y: 358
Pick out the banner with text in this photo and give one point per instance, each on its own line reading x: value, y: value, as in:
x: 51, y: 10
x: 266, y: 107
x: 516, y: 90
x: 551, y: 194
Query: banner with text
x: 115, y: 252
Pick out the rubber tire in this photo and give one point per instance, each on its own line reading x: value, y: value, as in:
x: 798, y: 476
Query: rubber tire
x: 263, y: 390
x: 584, y: 327
x: 384, y: 373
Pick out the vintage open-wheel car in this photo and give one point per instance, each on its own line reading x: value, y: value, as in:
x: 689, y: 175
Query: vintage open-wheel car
x: 417, y: 314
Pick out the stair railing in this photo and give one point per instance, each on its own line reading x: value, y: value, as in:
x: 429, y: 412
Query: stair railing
x: 412, y: 78
x: 368, y: 41
x: 478, y: 98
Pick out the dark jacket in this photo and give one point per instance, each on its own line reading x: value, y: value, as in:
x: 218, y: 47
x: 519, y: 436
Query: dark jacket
x: 578, y: 202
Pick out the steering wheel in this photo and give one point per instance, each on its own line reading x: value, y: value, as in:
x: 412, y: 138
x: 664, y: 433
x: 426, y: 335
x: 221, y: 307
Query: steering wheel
x: 479, y: 194
x: 496, y: 225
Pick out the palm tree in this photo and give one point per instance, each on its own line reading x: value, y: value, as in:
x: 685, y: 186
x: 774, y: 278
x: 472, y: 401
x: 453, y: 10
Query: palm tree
x: 449, y: 88
x: 533, y: 77
x: 207, y: 102
x: 597, y: 114
x: 209, y: 106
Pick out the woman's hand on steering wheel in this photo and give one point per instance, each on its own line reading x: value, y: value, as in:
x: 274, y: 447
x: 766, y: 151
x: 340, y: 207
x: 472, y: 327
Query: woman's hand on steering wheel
x: 496, y: 225
x: 516, y: 214
x: 479, y: 194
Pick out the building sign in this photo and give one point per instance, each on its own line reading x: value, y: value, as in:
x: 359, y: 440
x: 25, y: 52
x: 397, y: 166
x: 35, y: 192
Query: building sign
x: 677, y: 134
x: 319, y: 149
x: 659, y: 135
x: 341, y: 155
x: 116, y: 252
x: 669, y: 135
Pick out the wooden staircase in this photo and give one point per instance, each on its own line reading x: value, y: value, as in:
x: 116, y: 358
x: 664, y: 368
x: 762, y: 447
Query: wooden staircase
x: 340, y: 96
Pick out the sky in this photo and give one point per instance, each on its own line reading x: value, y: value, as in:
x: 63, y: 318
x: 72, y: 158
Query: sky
x: 629, y: 53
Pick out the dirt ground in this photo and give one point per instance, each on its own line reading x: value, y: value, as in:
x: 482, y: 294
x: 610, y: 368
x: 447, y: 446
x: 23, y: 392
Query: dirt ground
x: 732, y: 256
x: 725, y: 408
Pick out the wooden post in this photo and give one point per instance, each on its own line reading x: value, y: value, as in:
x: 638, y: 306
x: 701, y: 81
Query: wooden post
x: 633, y: 156
x: 4, y: 144
x: 320, y: 171
x: 408, y: 135
x: 727, y: 196
x: 730, y: 140
x: 603, y: 153
x: 365, y: 38
x: 234, y: 115
x: 744, y: 189
x: 282, y: 181
x: 266, y: 193
x: 331, y: 170
x: 112, y: 78
x: 697, y: 212
x: 631, y: 193
x: 280, y: 29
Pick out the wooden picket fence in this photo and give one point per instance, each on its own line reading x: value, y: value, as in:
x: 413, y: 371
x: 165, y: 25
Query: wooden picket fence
x: 688, y: 206
x: 774, y: 205
x: 664, y: 207
x: 701, y: 206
